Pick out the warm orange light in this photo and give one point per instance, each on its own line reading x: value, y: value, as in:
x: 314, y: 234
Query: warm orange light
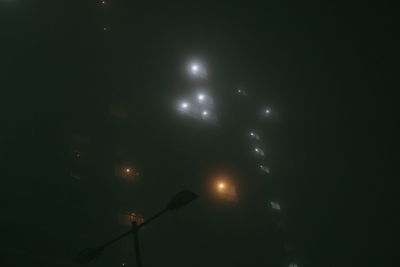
x: 128, y: 170
x: 225, y: 189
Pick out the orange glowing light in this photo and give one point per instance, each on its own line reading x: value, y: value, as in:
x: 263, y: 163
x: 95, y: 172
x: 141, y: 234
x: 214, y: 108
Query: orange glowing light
x: 221, y: 185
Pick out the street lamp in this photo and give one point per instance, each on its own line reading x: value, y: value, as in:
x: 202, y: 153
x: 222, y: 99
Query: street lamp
x: 180, y: 200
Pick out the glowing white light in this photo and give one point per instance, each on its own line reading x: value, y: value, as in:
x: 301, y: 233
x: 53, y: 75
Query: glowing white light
x: 200, y: 97
x: 252, y: 134
x: 205, y: 113
x: 184, y: 105
x: 267, y: 111
x: 195, y: 68
x: 256, y: 150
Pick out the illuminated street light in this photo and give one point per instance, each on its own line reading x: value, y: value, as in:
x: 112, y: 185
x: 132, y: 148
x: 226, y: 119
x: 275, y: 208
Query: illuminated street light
x: 178, y: 201
x: 255, y: 136
x: 200, y: 97
x: 185, y: 105
x: 195, y: 68
x: 205, y: 113
x: 259, y: 151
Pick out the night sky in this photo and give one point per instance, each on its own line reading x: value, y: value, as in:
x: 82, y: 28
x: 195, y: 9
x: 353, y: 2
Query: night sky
x: 90, y: 89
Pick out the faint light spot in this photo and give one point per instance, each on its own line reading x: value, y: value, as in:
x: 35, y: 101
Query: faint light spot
x: 256, y: 150
x: 128, y: 170
x: 135, y: 217
x: 200, y: 97
x: 275, y: 205
x: 252, y: 134
x: 105, y: 29
x: 267, y: 111
x: 185, y: 105
x: 205, y: 113
x: 264, y: 168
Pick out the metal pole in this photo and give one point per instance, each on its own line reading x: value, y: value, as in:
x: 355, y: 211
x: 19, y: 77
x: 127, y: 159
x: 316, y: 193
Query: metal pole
x: 136, y: 239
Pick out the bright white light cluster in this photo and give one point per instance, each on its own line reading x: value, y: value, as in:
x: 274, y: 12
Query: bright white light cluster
x: 200, y: 105
x: 196, y: 109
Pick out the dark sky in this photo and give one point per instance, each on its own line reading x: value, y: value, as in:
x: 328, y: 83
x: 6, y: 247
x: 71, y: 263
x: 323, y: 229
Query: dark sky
x: 324, y: 69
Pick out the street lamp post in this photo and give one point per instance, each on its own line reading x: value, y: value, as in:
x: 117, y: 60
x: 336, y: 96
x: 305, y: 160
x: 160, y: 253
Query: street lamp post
x: 178, y: 201
x: 135, y: 232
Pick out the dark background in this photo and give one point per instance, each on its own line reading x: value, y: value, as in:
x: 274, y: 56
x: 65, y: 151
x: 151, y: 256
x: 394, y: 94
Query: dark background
x: 323, y: 68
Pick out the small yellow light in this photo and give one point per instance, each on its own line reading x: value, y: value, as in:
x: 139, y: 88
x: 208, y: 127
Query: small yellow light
x: 127, y: 170
x: 221, y: 185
